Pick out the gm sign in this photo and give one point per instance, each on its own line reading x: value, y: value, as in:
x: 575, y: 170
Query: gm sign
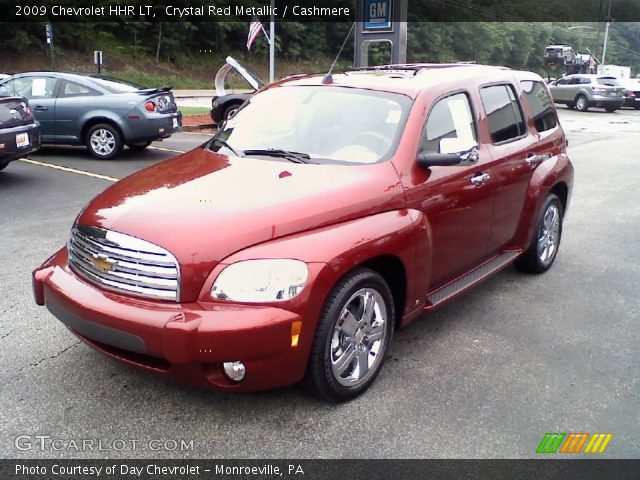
x: 377, y: 15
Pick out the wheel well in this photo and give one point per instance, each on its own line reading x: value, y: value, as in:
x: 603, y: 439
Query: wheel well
x: 562, y: 191
x: 94, y: 121
x: 392, y: 270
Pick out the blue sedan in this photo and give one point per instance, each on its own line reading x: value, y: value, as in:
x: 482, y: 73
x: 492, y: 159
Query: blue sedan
x: 102, y: 113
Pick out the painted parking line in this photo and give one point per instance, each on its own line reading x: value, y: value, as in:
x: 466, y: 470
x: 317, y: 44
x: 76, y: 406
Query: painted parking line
x: 166, y: 149
x: 70, y: 170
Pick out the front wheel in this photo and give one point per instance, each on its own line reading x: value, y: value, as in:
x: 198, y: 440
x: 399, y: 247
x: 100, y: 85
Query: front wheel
x: 104, y: 141
x: 353, y: 334
x: 540, y: 255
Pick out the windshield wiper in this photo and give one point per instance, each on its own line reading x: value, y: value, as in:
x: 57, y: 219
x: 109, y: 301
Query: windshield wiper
x: 295, y: 157
x: 222, y: 142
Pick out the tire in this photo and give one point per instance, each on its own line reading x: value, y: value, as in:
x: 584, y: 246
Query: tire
x: 3, y: 165
x: 334, y: 370
x: 104, y: 141
x: 611, y: 109
x: 139, y: 146
x: 581, y: 103
x: 537, y: 258
x: 637, y: 107
x: 230, y: 111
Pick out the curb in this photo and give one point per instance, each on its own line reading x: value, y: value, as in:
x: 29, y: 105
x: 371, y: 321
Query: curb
x: 195, y: 128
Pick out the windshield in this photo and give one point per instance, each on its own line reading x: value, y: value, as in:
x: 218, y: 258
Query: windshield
x: 115, y: 85
x: 327, y: 123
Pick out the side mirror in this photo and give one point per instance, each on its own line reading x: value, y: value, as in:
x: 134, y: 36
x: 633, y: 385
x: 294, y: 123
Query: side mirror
x: 465, y: 157
x: 426, y: 160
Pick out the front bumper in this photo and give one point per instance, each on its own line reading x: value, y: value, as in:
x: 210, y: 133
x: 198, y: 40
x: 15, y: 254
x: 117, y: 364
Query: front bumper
x: 186, y: 342
x: 9, y: 149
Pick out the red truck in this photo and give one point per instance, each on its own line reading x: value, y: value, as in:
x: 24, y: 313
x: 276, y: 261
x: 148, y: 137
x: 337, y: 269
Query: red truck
x: 328, y: 212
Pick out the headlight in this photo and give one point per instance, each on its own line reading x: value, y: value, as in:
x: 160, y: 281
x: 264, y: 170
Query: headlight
x: 261, y: 281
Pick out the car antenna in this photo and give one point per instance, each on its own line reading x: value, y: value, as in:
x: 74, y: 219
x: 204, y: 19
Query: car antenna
x: 328, y: 78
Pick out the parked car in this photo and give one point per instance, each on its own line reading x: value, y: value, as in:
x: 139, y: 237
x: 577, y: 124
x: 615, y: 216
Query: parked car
x: 559, y: 55
x: 19, y: 130
x: 329, y: 211
x: 224, y: 105
x: 102, y: 113
x: 585, y: 91
x: 632, y: 93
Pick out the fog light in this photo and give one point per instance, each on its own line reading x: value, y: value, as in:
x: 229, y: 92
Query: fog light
x: 234, y: 370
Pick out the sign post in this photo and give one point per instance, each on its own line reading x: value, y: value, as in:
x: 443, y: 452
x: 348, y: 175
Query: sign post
x: 380, y: 21
x: 97, y: 59
x: 48, y: 30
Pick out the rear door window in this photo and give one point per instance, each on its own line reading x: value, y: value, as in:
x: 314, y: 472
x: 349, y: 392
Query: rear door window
x: 504, y: 114
x: 540, y: 105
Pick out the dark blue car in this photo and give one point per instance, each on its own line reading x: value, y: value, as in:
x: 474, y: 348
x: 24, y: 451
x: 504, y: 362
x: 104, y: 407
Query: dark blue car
x: 19, y: 130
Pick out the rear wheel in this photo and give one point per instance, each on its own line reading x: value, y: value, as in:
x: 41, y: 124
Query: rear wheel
x: 353, y: 334
x: 104, y: 141
x: 138, y: 145
x: 582, y: 104
x: 542, y: 252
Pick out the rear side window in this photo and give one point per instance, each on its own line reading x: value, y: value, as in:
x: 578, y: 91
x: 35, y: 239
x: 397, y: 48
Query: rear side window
x: 610, y: 81
x: 503, y: 113
x: 540, y: 104
x: 450, y: 127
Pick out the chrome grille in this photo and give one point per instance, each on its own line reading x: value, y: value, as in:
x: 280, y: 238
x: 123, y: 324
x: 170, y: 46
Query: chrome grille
x: 122, y: 263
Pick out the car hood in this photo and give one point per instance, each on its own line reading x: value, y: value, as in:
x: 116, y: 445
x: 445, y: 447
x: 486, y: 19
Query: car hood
x: 203, y: 206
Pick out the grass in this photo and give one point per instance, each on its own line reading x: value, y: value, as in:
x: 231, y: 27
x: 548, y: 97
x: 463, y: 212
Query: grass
x: 187, y: 111
x: 148, y: 80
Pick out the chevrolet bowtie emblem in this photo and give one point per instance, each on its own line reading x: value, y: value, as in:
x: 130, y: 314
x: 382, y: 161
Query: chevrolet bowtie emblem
x: 102, y: 263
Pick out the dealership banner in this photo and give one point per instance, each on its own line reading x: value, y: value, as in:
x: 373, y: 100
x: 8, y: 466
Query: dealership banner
x: 584, y: 469
x: 313, y: 10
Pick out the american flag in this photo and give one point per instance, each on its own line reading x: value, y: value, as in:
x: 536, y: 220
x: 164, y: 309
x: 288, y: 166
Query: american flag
x: 255, y: 27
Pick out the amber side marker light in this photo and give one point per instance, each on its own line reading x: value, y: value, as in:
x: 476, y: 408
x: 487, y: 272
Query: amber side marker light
x: 295, y: 333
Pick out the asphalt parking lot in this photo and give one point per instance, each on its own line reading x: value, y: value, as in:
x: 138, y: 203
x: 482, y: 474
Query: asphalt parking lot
x: 486, y: 376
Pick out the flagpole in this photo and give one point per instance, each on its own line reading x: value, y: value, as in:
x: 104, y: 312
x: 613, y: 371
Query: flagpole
x: 272, y: 44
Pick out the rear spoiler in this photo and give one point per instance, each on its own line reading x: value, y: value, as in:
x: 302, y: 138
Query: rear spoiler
x: 151, y: 91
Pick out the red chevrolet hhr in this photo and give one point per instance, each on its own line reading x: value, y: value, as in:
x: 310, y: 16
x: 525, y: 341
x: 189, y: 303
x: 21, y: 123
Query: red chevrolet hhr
x: 328, y: 212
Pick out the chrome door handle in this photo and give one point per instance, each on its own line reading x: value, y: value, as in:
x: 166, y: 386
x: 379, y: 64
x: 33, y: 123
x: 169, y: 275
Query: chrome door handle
x: 533, y: 159
x: 480, y: 178
x: 40, y: 108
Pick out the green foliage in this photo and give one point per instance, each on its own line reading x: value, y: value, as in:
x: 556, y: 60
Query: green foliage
x: 188, y: 46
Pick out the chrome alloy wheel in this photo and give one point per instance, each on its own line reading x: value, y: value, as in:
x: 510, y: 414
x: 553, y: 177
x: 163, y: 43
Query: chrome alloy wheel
x: 549, y: 234
x: 103, y: 142
x: 360, y: 334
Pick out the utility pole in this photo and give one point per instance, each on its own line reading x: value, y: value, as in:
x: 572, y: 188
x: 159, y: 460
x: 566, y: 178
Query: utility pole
x: 272, y: 44
x: 606, y: 35
x: 49, y: 35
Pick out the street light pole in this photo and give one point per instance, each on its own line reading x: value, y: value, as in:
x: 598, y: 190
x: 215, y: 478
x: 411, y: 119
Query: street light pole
x: 606, y: 36
x: 272, y: 44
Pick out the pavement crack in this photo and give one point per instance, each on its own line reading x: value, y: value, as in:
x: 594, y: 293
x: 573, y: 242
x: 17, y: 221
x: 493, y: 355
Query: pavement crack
x: 51, y: 357
x: 8, y: 308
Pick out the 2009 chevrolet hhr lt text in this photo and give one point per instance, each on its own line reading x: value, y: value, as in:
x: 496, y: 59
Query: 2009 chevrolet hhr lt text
x: 329, y: 211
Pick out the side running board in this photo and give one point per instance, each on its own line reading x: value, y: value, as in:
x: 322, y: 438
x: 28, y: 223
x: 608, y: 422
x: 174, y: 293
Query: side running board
x: 449, y: 291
